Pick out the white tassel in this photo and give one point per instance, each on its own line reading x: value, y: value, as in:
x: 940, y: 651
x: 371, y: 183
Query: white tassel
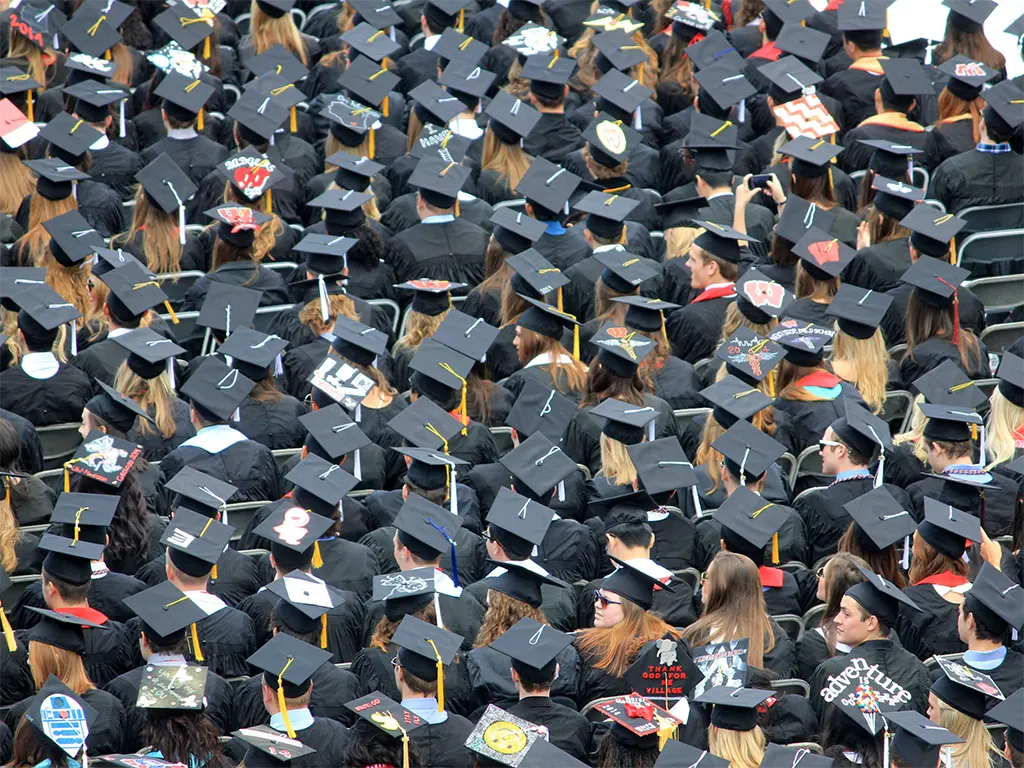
x: 74, y: 338
x: 981, y: 446
x: 122, y: 121
x: 324, y: 306
x: 170, y: 372
x: 181, y: 224
x: 650, y: 431
x: 358, y: 468
x: 74, y: 190
x: 236, y: 416
x: 437, y: 609
x: 561, y: 491
x: 696, y: 499
x: 278, y: 366
x: 638, y: 123
x: 906, y: 553
x: 359, y: 412
x: 455, y: 494
x: 880, y: 474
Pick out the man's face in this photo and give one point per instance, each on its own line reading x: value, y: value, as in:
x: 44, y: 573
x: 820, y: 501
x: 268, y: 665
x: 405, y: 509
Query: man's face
x: 852, y: 627
x: 830, y: 452
x: 701, y: 272
x: 963, y: 628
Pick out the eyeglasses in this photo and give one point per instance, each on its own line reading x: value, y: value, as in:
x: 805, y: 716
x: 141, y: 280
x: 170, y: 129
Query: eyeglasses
x: 829, y: 443
x: 603, y: 601
x: 820, y: 573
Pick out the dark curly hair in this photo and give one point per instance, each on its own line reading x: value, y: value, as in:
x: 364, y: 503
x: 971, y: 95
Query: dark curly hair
x: 180, y: 735
x: 369, y: 251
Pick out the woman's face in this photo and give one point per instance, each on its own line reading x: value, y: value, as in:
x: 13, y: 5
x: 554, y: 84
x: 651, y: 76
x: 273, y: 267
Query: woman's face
x: 822, y: 593
x: 933, y: 708
x: 515, y: 341
x: 607, y: 609
x: 88, y: 425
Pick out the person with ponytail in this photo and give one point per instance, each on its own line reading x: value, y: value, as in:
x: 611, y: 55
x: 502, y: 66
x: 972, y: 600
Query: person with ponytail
x: 234, y: 261
x: 157, y: 236
x: 504, y: 162
x: 266, y: 415
x: 859, y: 355
x: 271, y: 24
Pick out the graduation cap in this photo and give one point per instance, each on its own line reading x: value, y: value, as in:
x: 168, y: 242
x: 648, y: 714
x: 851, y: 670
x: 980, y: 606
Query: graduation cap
x: 116, y: 409
x: 692, y: 16
x: 662, y: 465
x: 195, y: 542
x: 104, y: 458
x: 541, y: 409
x: 58, y: 716
x: 686, y: 208
x: 663, y: 668
x: 522, y: 581
x: 425, y: 650
x: 173, y: 58
x: 359, y: 343
x: 280, y: 61
x: 56, y: 179
x: 759, y: 298
x: 806, y: 43
x: 790, y: 11
x: 965, y: 689
x: 327, y: 254
x: 935, y: 282
x: 515, y: 231
x: 439, y: 182
x: 947, y: 529
x: 166, y: 612
x: 510, y: 118
x: 426, y: 425
x: 547, y: 186
x: 638, y: 722
x: 16, y: 280
x: 804, y: 342
x: 790, y: 75
x: 633, y: 583
x: 353, y: 172
x: 168, y: 187
x: 184, y: 95
x: 516, y: 521
x: 1011, y: 375
x: 623, y: 271
x: 148, y: 352
x: 969, y: 15
x: 607, y: 19
x: 258, y: 113
x: 881, y: 518
x: 503, y: 738
x: 39, y: 23
x: 204, y: 493
x: 70, y: 137
x: 404, y: 592
x: 217, y: 390
x: 548, y: 74
x: 14, y: 81
x: 427, y: 530
x: 173, y: 687
x: 322, y: 484
x: 452, y: 45
x: 90, y: 31
x: 823, y: 255
x: 252, y: 352
x: 446, y: 13
x: 621, y: 96
x: 370, y: 81
x: 950, y: 423
x: 606, y: 212
x: 288, y: 666
x: 533, y: 40
x: 434, y: 104
x: 880, y: 597
x: 531, y: 645
x: 467, y: 81
x: 1011, y: 714
x: 918, y: 740
x: 267, y: 742
x: 386, y: 714
x: 549, y: 321
x: 895, y: 199
x: 371, y: 41
x: 1003, y: 112
x: 734, y: 400
x: 437, y: 141
x: 186, y: 29
x: 711, y: 141
x: 60, y: 630
x: 776, y: 756
x: 227, y: 307
x: 537, y: 465
x: 643, y: 313
x: 283, y: 93
x: 721, y: 241
x: 94, y: 100
x: 931, y: 230
x: 72, y: 239
x: 344, y: 212
x: 467, y: 335
x: 748, y: 451
x: 535, y: 275
x: 84, y: 510
x: 305, y: 602
x: 334, y: 431
x: 42, y: 309
x: 715, y: 48
x: 378, y: 13
x: 858, y: 311
x: 865, y: 16
x: 966, y: 77
x: 69, y: 560
x: 626, y: 422
x: 440, y: 370
x: 133, y: 292
x: 621, y: 350
x: 948, y: 385
x: 293, y: 531
x: 812, y: 158
x: 904, y: 79
x: 724, y: 85
x: 890, y: 158
x: 734, y: 708
x: 433, y: 470
x: 677, y: 754
x: 543, y: 754
x: 619, y: 48
x: 610, y: 141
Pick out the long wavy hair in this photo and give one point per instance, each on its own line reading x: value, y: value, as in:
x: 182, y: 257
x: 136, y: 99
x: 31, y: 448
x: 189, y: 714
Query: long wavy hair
x: 34, y: 244
x: 149, y: 393
x: 602, y: 384
x: 711, y: 459
x: 74, y: 286
x: 743, y: 749
x: 159, y: 232
x: 611, y: 753
x: 419, y: 328
x: 502, y: 612
x: 973, y: 45
x: 840, y: 573
x: 266, y: 32
x: 810, y: 287
x: 509, y: 161
x: 29, y: 750
x: 733, y: 607
x: 882, y: 227
x: 977, y: 750
x: 572, y: 375
x: 914, y: 435
x: 866, y: 363
x: 338, y: 305
x: 885, y: 562
x: 181, y: 735
x: 512, y: 305
x: 678, y: 66
x: 385, y: 629
x: 10, y: 461
x: 269, y: 231
x: 227, y: 253
x: 1005, y: 424
x: 67, y: 666
x: 925, y: 322
x: 497, y: 272
x: 20, y: 47
x: 615, y: 648
x: 18, y: 184
x: 789, y: 382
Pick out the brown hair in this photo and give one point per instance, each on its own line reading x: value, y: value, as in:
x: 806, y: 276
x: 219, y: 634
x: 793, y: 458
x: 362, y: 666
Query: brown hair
x: 533, y: 344
x: 226, y: 253
x: 269, y: 231
x: 952, y: 106
x: 265, y: 390
x: 927, y: 561
x: 413, y: 131
x: 418, y: 328
x: 512, y: 304
x: 18, y: 184
x: 602, y: 384
x: 160, y: 230
x: 678, y: 67
x: 925, y: 322
x: 655, y: 360
x: 266, y: 32
x: 840, y: 573
x: 615, y: 648
x: 882, y: 227
x: 385, y: 629
x: 332, y: 145
x: 815, y: 190
x: 726, y: 269
x: 155, y: 392
x: 733, y: 607
x: 35, y: 242
x: 502, y: 612
x: 810, y: 287
x: 338, y: 305
x: 789, y: 376
x: 607, y: 310
x: 497, y: 272
x: 45, y: 660
x: 750, y: 10
x: 973, y: 45
x: 885, y: 563
x: 509, y: 161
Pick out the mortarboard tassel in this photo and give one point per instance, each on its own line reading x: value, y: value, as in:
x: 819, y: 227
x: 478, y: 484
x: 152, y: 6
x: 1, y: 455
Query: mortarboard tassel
x: 199, y: 120
x: 31, y: 115
x: 121, y: 122
x: 318, y: 560
x: 440, y: 676
x: 321, y: 290
x: 67, y: 480
x: 74, y: 338
x: 405, y: 741
x: 462, y: 19
x: 357, y: 470
x: 453, y: 491
x: 269, y: 197
x: 906, y: 553
x: 206, y: 47
x: 293, y: 122
x: 372, y: 147
x: 196, y: 650
x: 560, y: 300
x: 323, y: 631
x: 213, y: 573
x: 575, y: 342
x: 8, y: 631
x: 280, y: 699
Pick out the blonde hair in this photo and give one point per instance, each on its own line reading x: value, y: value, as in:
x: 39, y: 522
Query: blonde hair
x: 45, y: 660
x: 915, y: 432
x: 809, y: 287
x: 977, y: 751
x: 18, y: 184
x: 867, y: 364
x: 678, y: 241
x: 508, y: 160
x: 20, y: 47
x: 36, y: 240
x: 743, y: 749
x: 162, y: 245
x: 10, y: 533
x: 369, y: 207
x: 155, y: 392
x: 419, y: 328
x: 266, y: 32
x: 338, y: 305
x: 332, y: 145
x: 72, y: 283
x: 616, y: 465
x: 1005, y: 419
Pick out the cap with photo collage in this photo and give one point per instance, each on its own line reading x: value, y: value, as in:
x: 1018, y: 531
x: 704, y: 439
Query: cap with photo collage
x: 467, y: 81
x: 918, y: 740
x: 932, y: 232
x: 60, y: 630
x: 891, y: 159
x: 537, y: 467
x: 293, y: 532
x: 60, y: 719
x: 947, y: 529
x: 547, y: 188
x: 439, y: 182
x: 425, y: 650
x: 304, y: 602
x: 626, y: 422
x: 761, y: 299
x: 541, y: 409
x: 965, y: 689
x: 733, y: 399
x: 72, y: 239
x: 217, y: 390
x: 880, y: 521
x: 253, y: 353
x: 804, y: 342
x: 149, y: 353
x: 104, y: 458
x: 522, y: 581
x: 516, y: 522
x: 168, y: 188
x: 288, y: 665
x: 227, y: 307
x: 93, y: 101
x: 515, y: 231
x: 115, y: 409
x: 880, y: 597
x: 749, y: 357
x: 499, y: 738
x: 532, y: 646
x: 620, y: 96
x: 56, y: 179
x: 548, y: 73
x: 607, y: 213
x: 133, y: 291
x: 511, y: 119
x: 638, y: 722
x: 452, y: 45
x: 184, y: 97
x: 200, y: 492
x: 858, y: 311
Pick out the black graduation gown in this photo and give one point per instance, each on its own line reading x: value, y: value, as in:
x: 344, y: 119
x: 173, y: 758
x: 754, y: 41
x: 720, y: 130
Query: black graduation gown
x: 32, y: 500
x: 450, y: 251
x: 676, y: 608
x: 194, y: 256
x: 238, y: 576
x: 106, y: 732
x: 484, y: 304
x: 542, y: 375
x: 1009, y: 675
x: 894, y: 322
x: 332, y: 687
x: 227, y: 638
x: 125, y: 687
x: 567, y: 729
x: 558, y: 604
x: 694, y: 330
x: 239, y: 273
x: 344, y: 623
x: 247, y: 465
x: 470, y: 552
x: 1000, y: 501
x: 929, y: 354
x: 373, y: 668
x: 331, y: 740
x: 16, y: 681
x: 977, y: 178
x: 892, y: 127
x: 807, y: 420
x: 348, y: 566
x: 477, y: 446
x: 444, y: 743
x: 101, y: 360
x: 826, y: 520
x: 106, y: 594
x: 809, y: 311
x: 793, y: 545
x: 933, y: 629
x: 196, y: 156
x: 273, y: 424
x: 675, y: 539
x: 382, y: 508
x: 677, y: 383
x: 811, y: 651
x: 855, y: 89
x: 416, y: 67
x: 56, y: 400
x: 116, y: 166
x: 642, y: 173
x: 879, y: 267
x: 488, y: 479
x: 490, y: 677
x: 563, y: 250
x: 789, y: 719
x: 597, y: 683
x: 553, y: 138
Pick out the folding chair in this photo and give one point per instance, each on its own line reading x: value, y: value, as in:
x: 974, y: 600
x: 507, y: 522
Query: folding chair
x: 808, y: 471
x: 392, y: 308
x: 60, y: 441
x: 793, y: 624
x: 685, y: 415
x: 503, y: 439
x: 998, y: 338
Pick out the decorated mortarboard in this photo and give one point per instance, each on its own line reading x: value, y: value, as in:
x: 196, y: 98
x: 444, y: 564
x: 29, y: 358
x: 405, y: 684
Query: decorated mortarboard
x: 305, y: 602
x: 252, y: 174
x: 734, y: 708
x: 467, y: 335
x: 806, y: 116
x: 463, y: 78
x: 294, y: 528
x: 715, y: 48
x: 760, y: 298
x: 823, y: 255
x: 57, y: 715
x: 964, y: 688
x: 966, y: 76
x: 812, y: 157
x: 227, y: 307
x: 1011, y: 378
x: 777, y: 756
x: 734, y: 399
x: 607, y: 19
x: 279, y: 747
x: 895, y: 198
x: 880, y: 597
x: 370, y: 41
x: 368, y: 80
x: 104, y: 458
x: 280, y: 61
x: 538, y: 466
x: 804, y: 342
x: 790, y: 75
x: 503, y: 738
x: 637, y: 721
x: 663, y: 669
x: 724, y: 85
x: 541, y: 409
x: 882, y: 518
x: 173, y: 58
x: 947, y: 529
x: 748, y: 356
x: 426, y: 425
x: 173, y: 686
x: 548, y: 185
x: 858, y: 311
x: 511, y: 119
x: 439, y: 182
x: 721, y: 241
x: 692, y: 15
x: 611, y: 141
x: 404, y: 592
x: 60, y: 630
x: 186, y: 26
x: 39, y: 22
x: 621, y: 350
x: 205, y: 491
x: 386, y: 714
x: 440, y: 142
x: 217, y: 388
x: 533, y: 39
x: 918, y: 740
x: 434, y: 103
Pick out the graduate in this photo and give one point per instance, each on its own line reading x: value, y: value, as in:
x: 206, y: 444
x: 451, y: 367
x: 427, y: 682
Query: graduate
x: 554, y: 137
x: 39, y: 745
x: 547, y: 187
x: 856, y: 83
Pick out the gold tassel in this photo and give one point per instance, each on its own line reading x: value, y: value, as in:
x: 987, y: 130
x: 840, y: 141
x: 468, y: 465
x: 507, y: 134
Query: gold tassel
x: 771, y: 384
x: 462, y: 19
x: 106, y: 54
x: 78, y: 528
x: 213, y: 573
x: 457, y: 207
x: 318, y: 560
x: 640, y: 73
x: 199, y: 120
x: 440, y: 676
x: 576, y: 342
x: 284, y: 709
x: 974, y: 431
x: 31, y: 116
x: 323, y: 631
x: 405, y: 748
x: 170, y: 311
x: 196, y: 650
x: 560, y: 300
x: 67, y: 480
x: 664, y: 332
x: 293, y: 125
x: 270, y: 201
x: 952, y: 249
x: 775, y: 548
x: 463, y: 412
x: 7, y: 490
x: 385, y: 110
x: 206, y: 47
x: 373, y: 145
x: 8, y: 631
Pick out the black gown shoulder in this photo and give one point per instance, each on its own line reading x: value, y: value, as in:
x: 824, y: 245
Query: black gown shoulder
x: 56, y: 400
x: 444, y: 743
x: 247, y: 465
x: 274, y: 424
x: 932, y: 630
x: 332, y: 687
x: 491, y: 680
x: 238, y: 576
